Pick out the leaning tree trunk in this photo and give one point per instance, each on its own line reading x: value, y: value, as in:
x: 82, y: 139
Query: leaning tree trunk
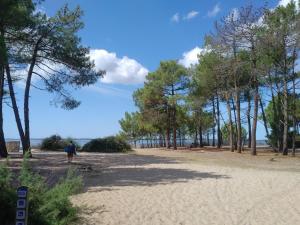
x: 26, y: 96
x: 15, y: 108
x: 12, y: 94
x: 264, y: 116
x: 3, y: 150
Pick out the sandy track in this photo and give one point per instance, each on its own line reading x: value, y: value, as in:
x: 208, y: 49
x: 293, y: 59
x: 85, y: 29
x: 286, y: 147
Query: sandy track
x: 150, y: 189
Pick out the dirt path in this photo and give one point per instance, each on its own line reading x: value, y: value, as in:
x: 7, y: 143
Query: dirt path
x: 161, y: 187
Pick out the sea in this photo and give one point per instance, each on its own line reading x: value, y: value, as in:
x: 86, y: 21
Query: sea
x: 36, y: 142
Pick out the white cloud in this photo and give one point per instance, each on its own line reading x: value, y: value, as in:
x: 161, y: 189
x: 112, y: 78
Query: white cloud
x: 191, y: 15
x: 286, y: 2
x: 191, y: 57
x: 118, y: 70
x: 214, y: 11
x: 109, y: 89
x: 175, y: 18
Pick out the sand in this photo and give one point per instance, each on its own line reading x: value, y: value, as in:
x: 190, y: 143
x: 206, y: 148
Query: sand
x: 151, y: 187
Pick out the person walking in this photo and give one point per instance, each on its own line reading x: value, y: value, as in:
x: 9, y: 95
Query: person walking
x: 71, y: 151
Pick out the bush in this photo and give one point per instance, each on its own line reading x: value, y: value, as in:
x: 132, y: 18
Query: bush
x: 55, y: 142
x: 108, y: 144
x: 8, y: 197
x: 47, y: 206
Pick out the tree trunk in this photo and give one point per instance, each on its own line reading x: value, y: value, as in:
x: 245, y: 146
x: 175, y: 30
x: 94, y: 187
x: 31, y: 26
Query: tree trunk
x: 207, y: 137
x: 168, y: 129
x: 214, y: 124
x: 174, y: 129
x: 285, y: 116
x: 3, y: 150
x: 238, y: 120
x: 196, y: 138
x: 280, y: 123
x: 230, y: 123
x: 15, y: 108
x: 200, y: 136
x: 256, y: 97
x: 174, y: 121
x: 264, y: 116
x: 26, y: 96
x: 249, y: 120
x: 255, y: 115
x: 235, y: 124
x: 294, y: 108
x: 218, y: 124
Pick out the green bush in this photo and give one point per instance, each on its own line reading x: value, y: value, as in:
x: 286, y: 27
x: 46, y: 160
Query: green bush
x: 55, y: 142
x: 108, y: 144
x: 8, y: 197
x: 47, y: 206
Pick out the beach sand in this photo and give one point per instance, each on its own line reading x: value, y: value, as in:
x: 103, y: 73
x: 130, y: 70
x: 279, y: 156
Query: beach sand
x: 151, y: 187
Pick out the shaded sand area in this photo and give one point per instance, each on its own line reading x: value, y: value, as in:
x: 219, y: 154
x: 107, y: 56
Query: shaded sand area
x: 150, y: 187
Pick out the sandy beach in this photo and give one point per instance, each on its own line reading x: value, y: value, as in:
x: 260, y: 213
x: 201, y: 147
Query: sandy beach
x: 152, y: 187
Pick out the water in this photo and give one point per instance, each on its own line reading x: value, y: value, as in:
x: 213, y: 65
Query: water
x: 188, y: 142
x: 36, y: 142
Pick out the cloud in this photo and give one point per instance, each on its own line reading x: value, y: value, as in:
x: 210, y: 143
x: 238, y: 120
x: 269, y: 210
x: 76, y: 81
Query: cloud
x: 109, y: 89
x: 191, y: 15
x: 191, y: 57
x: 286, y: 2
x: 175, y: 18
x: 118, y: 70
x: 214, y: 11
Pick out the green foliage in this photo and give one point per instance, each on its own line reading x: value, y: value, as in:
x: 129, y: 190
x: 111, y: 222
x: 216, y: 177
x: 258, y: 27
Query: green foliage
x: 57, y: 207
x: 47, y: 206
x: 55, y: 142
x: 130, y: 126
x: 274, y: 114
x: 225, y: 132
x: 8, y: 196
x: 108, y: 144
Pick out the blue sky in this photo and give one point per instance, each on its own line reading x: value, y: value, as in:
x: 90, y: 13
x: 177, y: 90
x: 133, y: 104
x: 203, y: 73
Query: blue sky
x: 128, y: 38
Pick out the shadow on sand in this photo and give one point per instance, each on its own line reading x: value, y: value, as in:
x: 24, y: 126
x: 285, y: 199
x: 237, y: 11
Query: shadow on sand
x: 112, y: 170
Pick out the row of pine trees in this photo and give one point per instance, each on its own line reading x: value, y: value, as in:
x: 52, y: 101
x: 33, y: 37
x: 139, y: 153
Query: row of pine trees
x: 247, y: 74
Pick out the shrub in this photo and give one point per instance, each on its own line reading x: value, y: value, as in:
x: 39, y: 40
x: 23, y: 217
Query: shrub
x: 8, y: 197
x: 108, y: 144
x: 47, y: 206
x: 57, y: 207
x: 55, y: 142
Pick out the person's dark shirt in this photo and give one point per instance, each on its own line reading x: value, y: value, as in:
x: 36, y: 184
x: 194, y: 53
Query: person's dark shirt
x: 72, y: 148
